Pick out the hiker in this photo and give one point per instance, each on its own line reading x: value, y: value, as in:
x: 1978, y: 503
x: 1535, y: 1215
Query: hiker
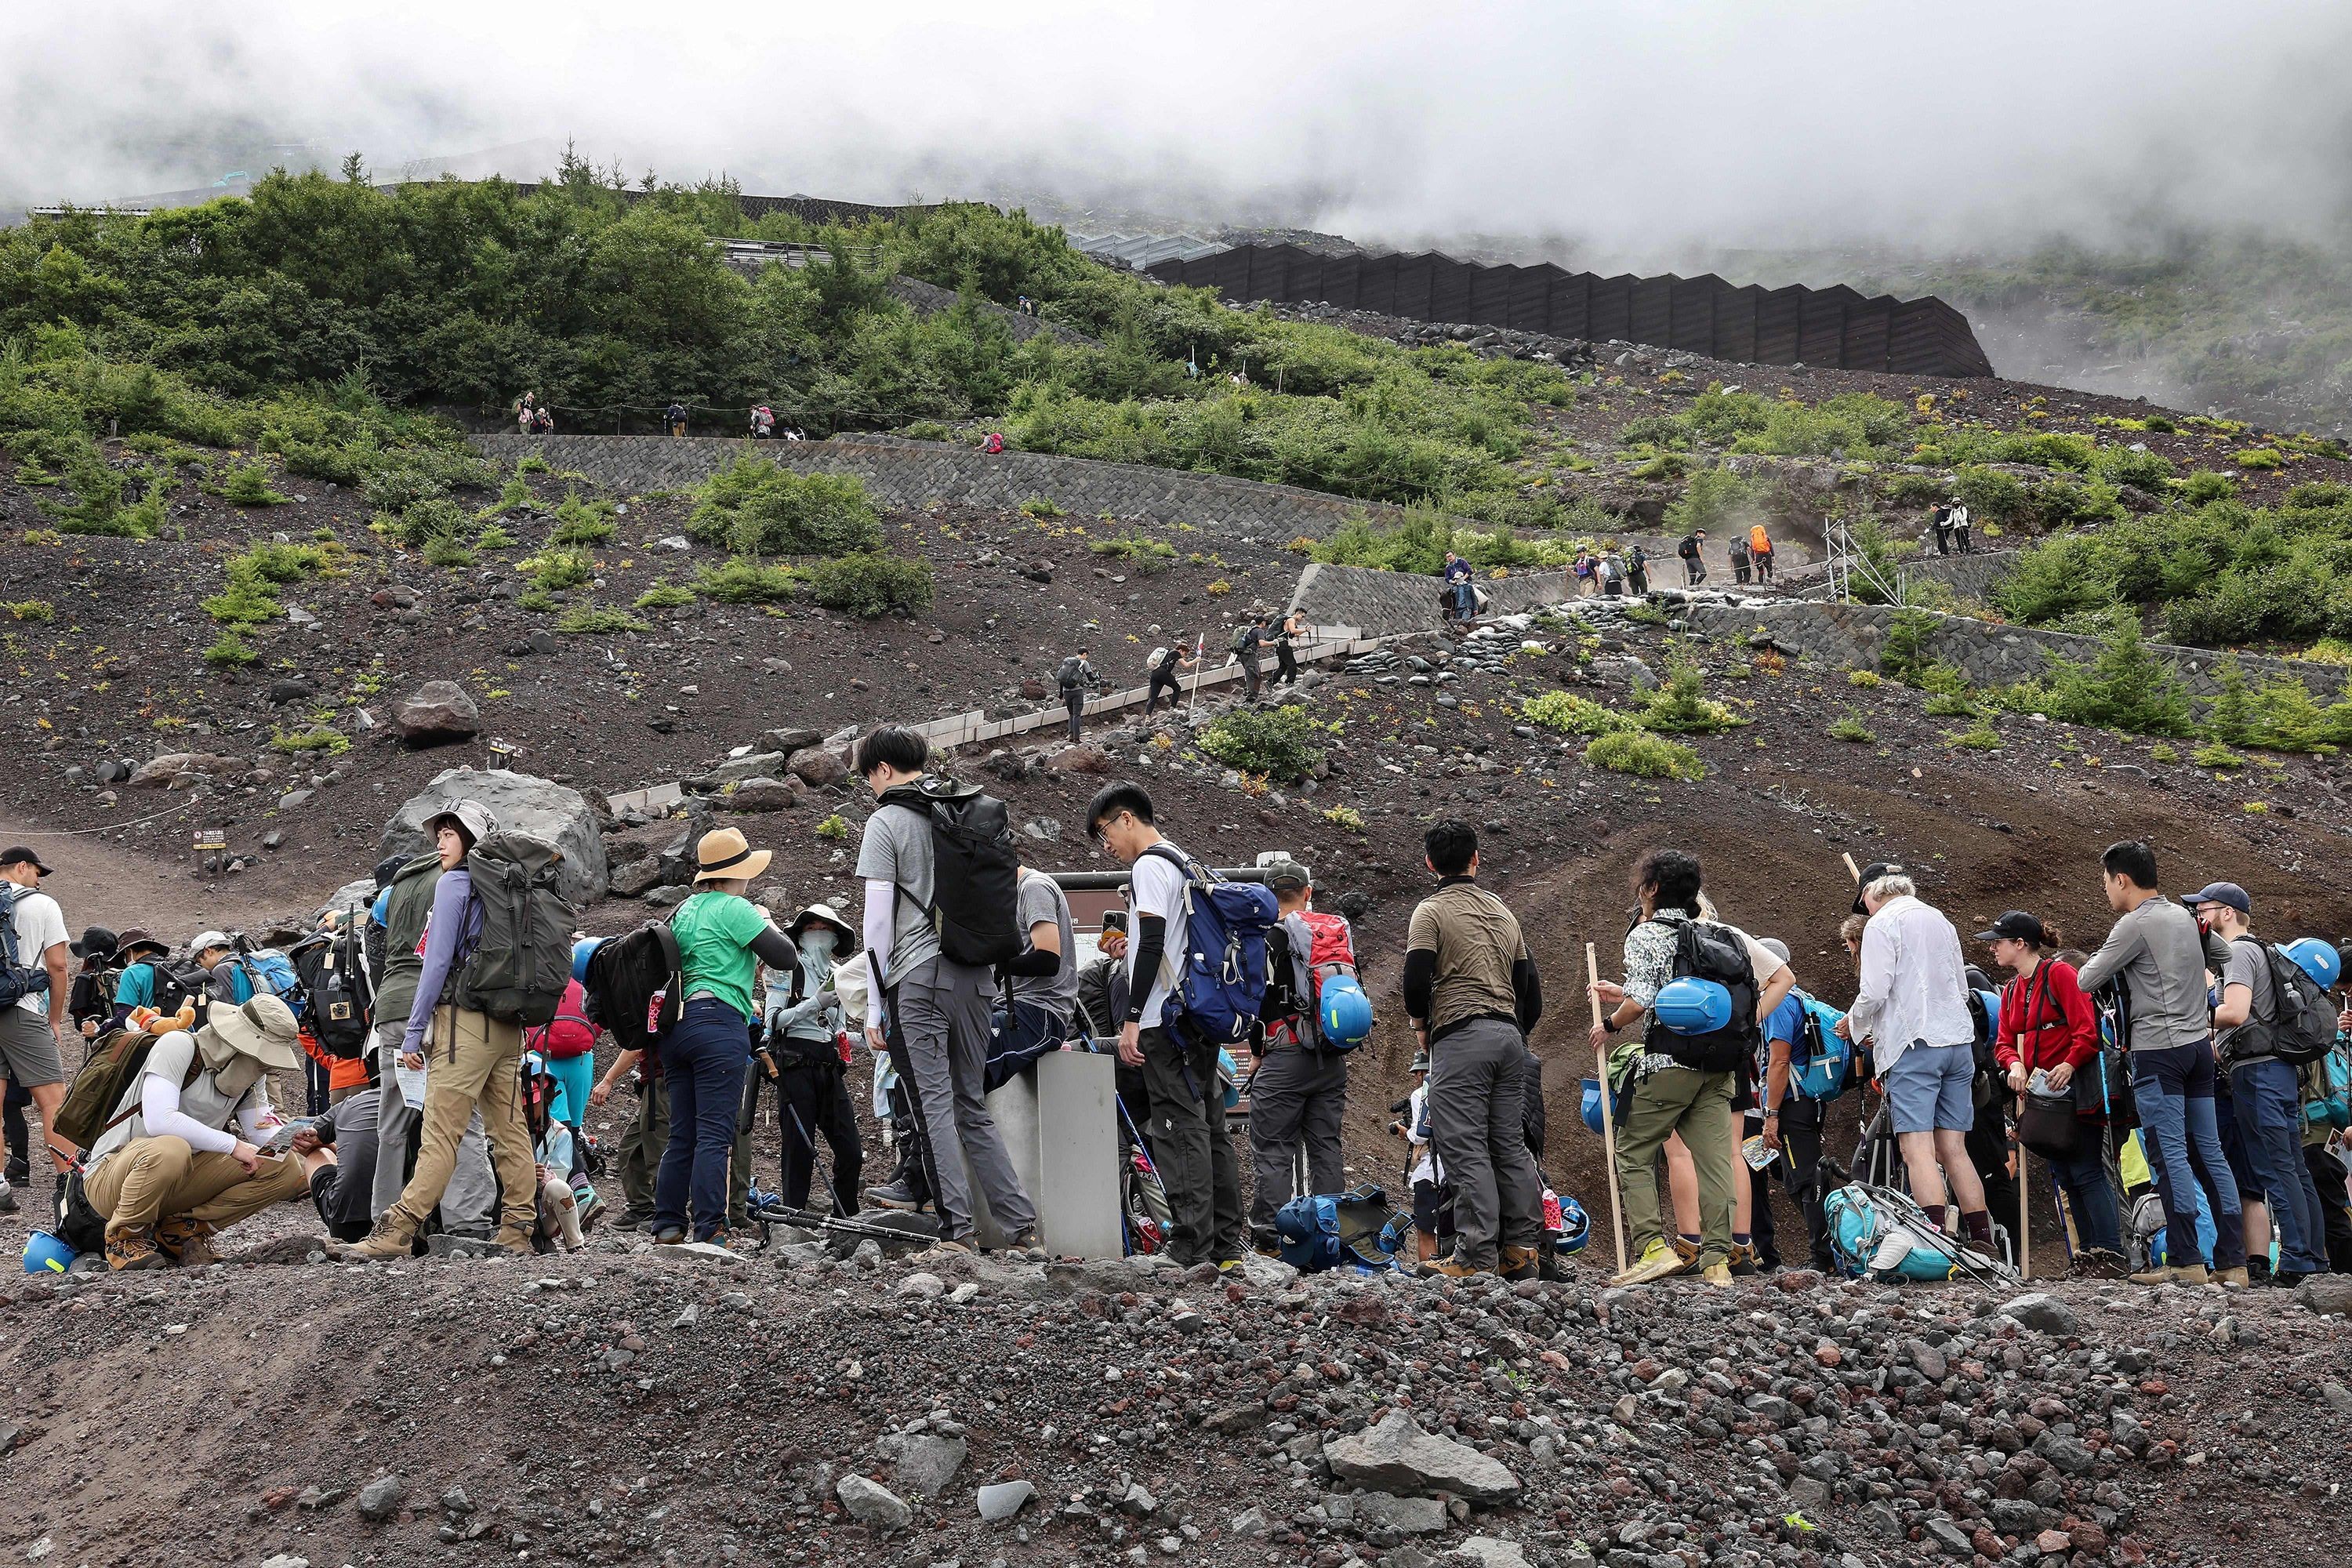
x: 1612, y: 573
x: 1740, y: 558
x: 1473, y: 995
x: 1755, y: 1241
x: 927, y: 1011
x: 1041, y: 982
x: 1790, y: 1123
x: 2048, y: 1030
x: 1463, y: 601
x: 561, y: 1192
x: 675, y: 417
x: 764, y: 422
x: 2266, y: 1099
x: 167, y: 1174
x: 1960, y: 522
x: 1102, y: 985
x: 479, y: 1064
x: 526, y: 412
x: 1637, y: 569
x: 35, y: 969
x: 647, y: 1136
x: 342, y: 1187
x: 1247, y: 638
x: 1759, y: 550
x: 995, y: 444
x: 1298, y: 1090
x: 1940, y: 521
x: 566, y: 1045
x: 2155, y: 955
x: 1692, y: 551
x: 1913, y: 1009
x: 805, y: 1036
x: 1433, y: 1199
x: 1285, y: 661
x: 1190, y: 1141
x: 91, y: 996
x: 142, y: 981
x: 1073, y: 681
x: 1586, y: 587
x: 1167, y: 670
x: 1683, y: 1078
x: 397, y: 922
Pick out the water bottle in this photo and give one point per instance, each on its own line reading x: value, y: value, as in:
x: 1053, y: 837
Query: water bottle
x: 654, y: 1005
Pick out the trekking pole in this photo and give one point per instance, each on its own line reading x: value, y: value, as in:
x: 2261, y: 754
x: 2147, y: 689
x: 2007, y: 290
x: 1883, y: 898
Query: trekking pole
x: 1852, y: 870
x: 1608, y: 1113
x: 2024, y: 1211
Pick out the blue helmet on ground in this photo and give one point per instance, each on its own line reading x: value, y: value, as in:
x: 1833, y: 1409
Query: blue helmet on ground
x: 1575, y: 1225
x: 581, y: 952
x: 1693, y: 1007
x: 2317, y: 959
x: 46, y: 1254
x: 1344, y: 1013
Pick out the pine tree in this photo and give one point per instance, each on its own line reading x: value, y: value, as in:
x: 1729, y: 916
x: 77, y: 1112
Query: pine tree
x: 2229, y: 717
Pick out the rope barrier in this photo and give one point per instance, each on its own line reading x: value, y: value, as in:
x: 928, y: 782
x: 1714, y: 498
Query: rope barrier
x: 104, y: 827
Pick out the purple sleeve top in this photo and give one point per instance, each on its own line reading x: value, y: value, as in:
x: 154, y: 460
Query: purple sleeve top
x: 450, y: 932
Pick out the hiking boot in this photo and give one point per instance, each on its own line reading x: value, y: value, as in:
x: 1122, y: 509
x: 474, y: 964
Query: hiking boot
x: 1661, y: 1260
x: 634, y: 1219
x: 1742, y: 1260
x: 892, y: 1195
x: 1447, y: 1268
x: 591, y: 1212
x: 2233, y: 1278
x: 1521, y: 1263
x: 7, y: 1197
x: 392, y: 1237
x: 2194, y: 1274
x: 1265, y: 1241
x: 133, y: 1248
x: 948, y: 1246
x: 1027, y: 1246
x: 19, y: 1171
x: 1717, y: 1273
x: 668, y: 1235
x: 186, y: 1242
x: 514, y: 1239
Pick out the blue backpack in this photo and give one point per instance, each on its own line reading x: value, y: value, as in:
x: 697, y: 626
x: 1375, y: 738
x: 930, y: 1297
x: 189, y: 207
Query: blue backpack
x: 266, y: 969
x: 1331, y: 1230
x: 1220, y: 982
x: 1826, y: 1070
x: 2328, y: 1088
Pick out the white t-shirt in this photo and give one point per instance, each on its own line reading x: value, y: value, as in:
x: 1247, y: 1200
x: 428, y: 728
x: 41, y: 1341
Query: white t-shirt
x: 40, y: 925
x: 1159, y: 890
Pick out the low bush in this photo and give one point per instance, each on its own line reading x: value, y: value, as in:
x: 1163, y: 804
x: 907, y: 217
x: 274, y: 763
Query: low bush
x: 1149, y: 557
x: 1281, y: 744
x: 247, y: 484
x: 743, y: 581
x: 1645, y: 755
x: 1681, y: 706
x: 759, y: 509
x: 665, y: 595
x: 1851, y: 728
x: 597, y: 620
x: 1573, y: 715
x: 553, y: 571
x: 872, y: 586
x: 581, y: 523
x: 36, y: 610
x: 318, y: 738
x: 253, y: 578
x: 230, y: 652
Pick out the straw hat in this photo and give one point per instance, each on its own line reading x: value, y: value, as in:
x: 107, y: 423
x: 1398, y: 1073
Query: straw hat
x: 262, y: 1029
x: 727, y: 854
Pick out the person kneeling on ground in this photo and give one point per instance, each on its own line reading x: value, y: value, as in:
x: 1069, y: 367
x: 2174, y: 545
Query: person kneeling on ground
x: 343, y: 1184
x: 168, y: 1173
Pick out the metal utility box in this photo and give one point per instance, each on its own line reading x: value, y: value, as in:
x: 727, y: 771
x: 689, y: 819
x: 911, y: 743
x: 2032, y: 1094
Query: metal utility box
x: 1059, y: 1121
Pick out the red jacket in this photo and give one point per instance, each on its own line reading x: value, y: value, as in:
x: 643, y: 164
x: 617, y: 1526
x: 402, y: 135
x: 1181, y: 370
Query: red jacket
x: 2046, y: 1020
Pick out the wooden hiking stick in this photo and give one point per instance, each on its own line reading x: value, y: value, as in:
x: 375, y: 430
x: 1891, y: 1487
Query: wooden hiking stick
x: 1852, y: 870
x: 1608, y: 1114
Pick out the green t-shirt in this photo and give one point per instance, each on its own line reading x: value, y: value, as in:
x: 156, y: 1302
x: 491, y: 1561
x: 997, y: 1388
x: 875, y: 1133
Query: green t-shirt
x: 715, y: 932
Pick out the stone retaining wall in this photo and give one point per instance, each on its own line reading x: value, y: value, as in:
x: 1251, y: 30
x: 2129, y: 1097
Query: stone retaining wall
x: 1372, y: 603
x: 911, y: 475
x: 1992, y: 654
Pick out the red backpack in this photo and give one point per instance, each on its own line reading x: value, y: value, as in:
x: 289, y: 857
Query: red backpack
x: 569, y: 1034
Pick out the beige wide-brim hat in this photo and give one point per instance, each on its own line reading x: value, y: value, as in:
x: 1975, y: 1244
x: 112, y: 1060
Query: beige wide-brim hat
x: 262, y: 1029
x: 727, y: 854
x: 844, y: 939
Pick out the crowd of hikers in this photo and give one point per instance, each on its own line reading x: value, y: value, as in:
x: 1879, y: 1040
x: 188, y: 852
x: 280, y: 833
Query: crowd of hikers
x: 445, y: 1034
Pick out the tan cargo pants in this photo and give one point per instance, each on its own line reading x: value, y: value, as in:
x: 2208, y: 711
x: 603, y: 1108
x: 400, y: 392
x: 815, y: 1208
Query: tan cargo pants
x: 152, y: 1179
x: 477, y: 1063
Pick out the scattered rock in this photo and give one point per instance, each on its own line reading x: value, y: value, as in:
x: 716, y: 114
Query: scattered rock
x: 2043, y: 1312
x: 436, y: 712
x: 2326, y: 1293
x: 1398, y: 1457
x: 870, y: 1502
x: 177, y: 770
x: 764, y: 794
x: 922, y: 1462
x: 380, y: 1497
x: 1079, y: 759
x: 1002, y: 1501
x: 1493, y: 1551
x: 817, y: 767
x: 522, y: 803
x: 1405, y: 1515
x: 923, y: 1287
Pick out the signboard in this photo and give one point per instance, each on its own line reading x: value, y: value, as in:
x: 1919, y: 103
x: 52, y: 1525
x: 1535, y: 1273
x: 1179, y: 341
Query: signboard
x: 210, y: 838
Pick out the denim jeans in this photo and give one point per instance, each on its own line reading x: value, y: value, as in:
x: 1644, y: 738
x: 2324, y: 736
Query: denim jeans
x: 703, y: 1063
x: 2090, y: 1197
x: 2174, y: 1091
x: 2268, y: 1107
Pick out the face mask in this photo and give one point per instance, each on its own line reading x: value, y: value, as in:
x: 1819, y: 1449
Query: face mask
x: 818, y: 944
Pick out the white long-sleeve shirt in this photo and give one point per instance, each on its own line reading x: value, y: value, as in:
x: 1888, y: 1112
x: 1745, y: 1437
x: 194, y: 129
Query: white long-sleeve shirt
x: 200, y: 1113
x: 1913, y: 981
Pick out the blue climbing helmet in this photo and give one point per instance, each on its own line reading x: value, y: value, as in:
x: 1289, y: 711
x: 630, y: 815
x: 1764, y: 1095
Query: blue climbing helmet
x: 1344, y: 1014
x: 1229, y: 1077
x: 2317, y: 959
x: 581, y: 952
x: 1693, y: 1007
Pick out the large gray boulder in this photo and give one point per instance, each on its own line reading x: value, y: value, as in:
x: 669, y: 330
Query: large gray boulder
x: 360, y: 891
x: 523, y: 804
x: 1399, y: 1457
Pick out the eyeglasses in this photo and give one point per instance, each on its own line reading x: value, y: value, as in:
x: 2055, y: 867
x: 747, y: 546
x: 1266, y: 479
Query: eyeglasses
x: 1094, y: 829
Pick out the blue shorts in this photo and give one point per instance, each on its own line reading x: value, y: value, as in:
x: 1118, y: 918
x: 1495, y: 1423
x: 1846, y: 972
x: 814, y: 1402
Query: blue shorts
x: 1928, y: 1089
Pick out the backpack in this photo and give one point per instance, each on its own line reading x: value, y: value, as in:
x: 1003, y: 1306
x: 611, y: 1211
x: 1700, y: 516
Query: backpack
x: 92, y: 996
x: 975, y: 870
x: 1705, y: 951
x: 2302, y: 1027
x: 1758, y: 542
x: 1073, y: 674
x: 1244, y: 638
x: 1328, y: 953
x: 2326, y: 1086
x: 1219, y: 976
x: 1984, y: 1012
x: 1160, y: 657
x: 569, y: 1034
x: 341, y: 999
x: 18, y: 980
x: 259, y: 970
x: 522, y: 964
x: 1877, y: 1233
x: 1688, y: 548
x: 1826, y: 1070
x: 635, y: 987
x: 93, y: 1101
x: 1331, y: 1230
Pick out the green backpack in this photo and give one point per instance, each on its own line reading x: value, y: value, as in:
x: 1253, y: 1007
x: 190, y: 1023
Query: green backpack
x: 521, y: 964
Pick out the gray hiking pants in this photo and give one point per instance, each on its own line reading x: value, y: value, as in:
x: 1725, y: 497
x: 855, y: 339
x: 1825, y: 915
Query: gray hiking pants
x: 1478, y: 1074
x: 1194, y: 1149
x: 1296, y: 1096
x: 470, y: 1201
x: 938, y: 1042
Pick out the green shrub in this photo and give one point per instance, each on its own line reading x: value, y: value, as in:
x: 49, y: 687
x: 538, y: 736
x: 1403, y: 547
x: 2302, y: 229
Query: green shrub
x: 598, y: 620
x: 1681, y: 706
x: 98, y: 507
x: 443, y: 549
x: 665, y: 595
x: 872, y: 586
x: 579, y: 522
x: 230, y: 652
x: 2149, y: 471
x: 421, y: 522
x: 494, y: 538
x: 553, y: 571
x: 1979, y: 736
x: 2260, y: 459
x: 1904, y: 654
x: 1850, y: 727
x: 247, y: 484
x: 1346, y: 819
x: 1038, y: 506
x: 743, y: 581
x: 1282, y: 743
x: 759, y: 509
x: 1149, y: 557
x: 1573, y: 715
x: 2213, y: 754
x: 1645, y: 755
x: 31, y: 610
x: 833, y: 828
x: 253, y: 578
x: 316, y: 738
x: 531, y: 463
x: 2126, y: 687
x: 2205, y: 485
x: 1865, y: 678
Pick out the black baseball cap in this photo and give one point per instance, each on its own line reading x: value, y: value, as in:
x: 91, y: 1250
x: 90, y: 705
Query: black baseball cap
x: 18, y: 855
x: 1871, y: 873
x: 2228, y: 893
x: 2018, y: 924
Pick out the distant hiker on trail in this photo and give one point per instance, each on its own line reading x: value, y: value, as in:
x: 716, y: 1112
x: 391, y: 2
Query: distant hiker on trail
x: 1473, y: 995
x: 1914, y: 1008
x: 36, y: 972
x: 929, y: 1010
x: 1690, y: 1059
x: 543, y: 424
x: 1464, y: 603
x: 1298, y: 1090
x: 1586, y: 582
x: 764, y: 422
x: 1740, y: 558
x: 1245, y: 640
x: 1190, y: 1140
x: 1759, y: 550
x: 995, y: 444
x: 675, y: 417
x: 167, y: 1174
x: 2157, y: 955
x: 1694, y: 562
x: 1610, y: 572
x: 1166, y: 670
x: 1285, y: 661
x: 1637, y: 569
x: 1939, y: 519
x: 526, y: 412
x: 1077, y: 678
x: 806, y: 1039
x: 1961, y: 528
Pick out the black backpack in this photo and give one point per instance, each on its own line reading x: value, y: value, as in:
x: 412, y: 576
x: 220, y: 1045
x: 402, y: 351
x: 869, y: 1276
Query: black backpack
x: 975, y: 870
x: 18, y: 977
x: 518, y: 968
x: 1073, y: 674
x: 92, y: 997
x: 2302, y: 1021
x: 626, y: 975
x: 1705, y: 951
x: 341, y: 998
x: 1688, y: 548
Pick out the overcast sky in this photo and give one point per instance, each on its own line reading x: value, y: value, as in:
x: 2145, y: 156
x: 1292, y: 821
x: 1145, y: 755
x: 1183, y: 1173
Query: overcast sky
x: 1624, y: 130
